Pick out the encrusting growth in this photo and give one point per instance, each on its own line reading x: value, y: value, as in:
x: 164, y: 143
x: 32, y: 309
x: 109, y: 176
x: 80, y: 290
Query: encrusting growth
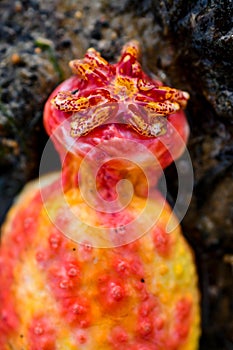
x: 82, y: 266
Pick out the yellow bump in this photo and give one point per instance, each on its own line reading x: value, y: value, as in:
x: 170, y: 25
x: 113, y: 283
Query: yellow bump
x: 178, y: 269
x: 163, y: 269
x: 182, y: 251
x: 164, y: 298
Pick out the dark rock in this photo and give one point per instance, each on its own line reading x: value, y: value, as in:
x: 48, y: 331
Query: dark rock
x: 201, y: 36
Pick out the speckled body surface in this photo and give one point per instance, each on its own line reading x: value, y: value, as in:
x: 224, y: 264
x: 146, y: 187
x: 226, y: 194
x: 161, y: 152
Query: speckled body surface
x: 61, y: 294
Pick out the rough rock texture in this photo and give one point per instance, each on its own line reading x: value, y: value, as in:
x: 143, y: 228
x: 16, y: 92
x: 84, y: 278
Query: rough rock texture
x: 187, y: 44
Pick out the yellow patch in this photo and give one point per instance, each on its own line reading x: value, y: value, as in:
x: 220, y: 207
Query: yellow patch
x: 126, y: 85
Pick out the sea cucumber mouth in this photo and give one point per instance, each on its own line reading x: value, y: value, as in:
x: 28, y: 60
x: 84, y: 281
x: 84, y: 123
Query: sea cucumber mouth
x: 119, y: 140
x: 78, y: 126
x: 144, y: 115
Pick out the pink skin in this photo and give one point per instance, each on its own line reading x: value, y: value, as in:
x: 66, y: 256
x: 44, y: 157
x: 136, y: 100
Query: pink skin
x: 109, y: 105
x: 54, y: 118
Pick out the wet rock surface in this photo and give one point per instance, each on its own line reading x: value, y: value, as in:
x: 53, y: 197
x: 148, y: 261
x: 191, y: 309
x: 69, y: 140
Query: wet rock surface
x: 188, y: 45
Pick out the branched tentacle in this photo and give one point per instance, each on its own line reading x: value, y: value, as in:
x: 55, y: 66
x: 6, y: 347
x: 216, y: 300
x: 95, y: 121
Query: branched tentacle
x: 132, y: 48
x: 83, y: 123
x: 175, y: 95
x: 88, y: 72
x: 157, y: 127
x: 161, y: 108
x: 128, y: 64
x: 104, y: 89
x: 66, y: 101
x: 96, y: 60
